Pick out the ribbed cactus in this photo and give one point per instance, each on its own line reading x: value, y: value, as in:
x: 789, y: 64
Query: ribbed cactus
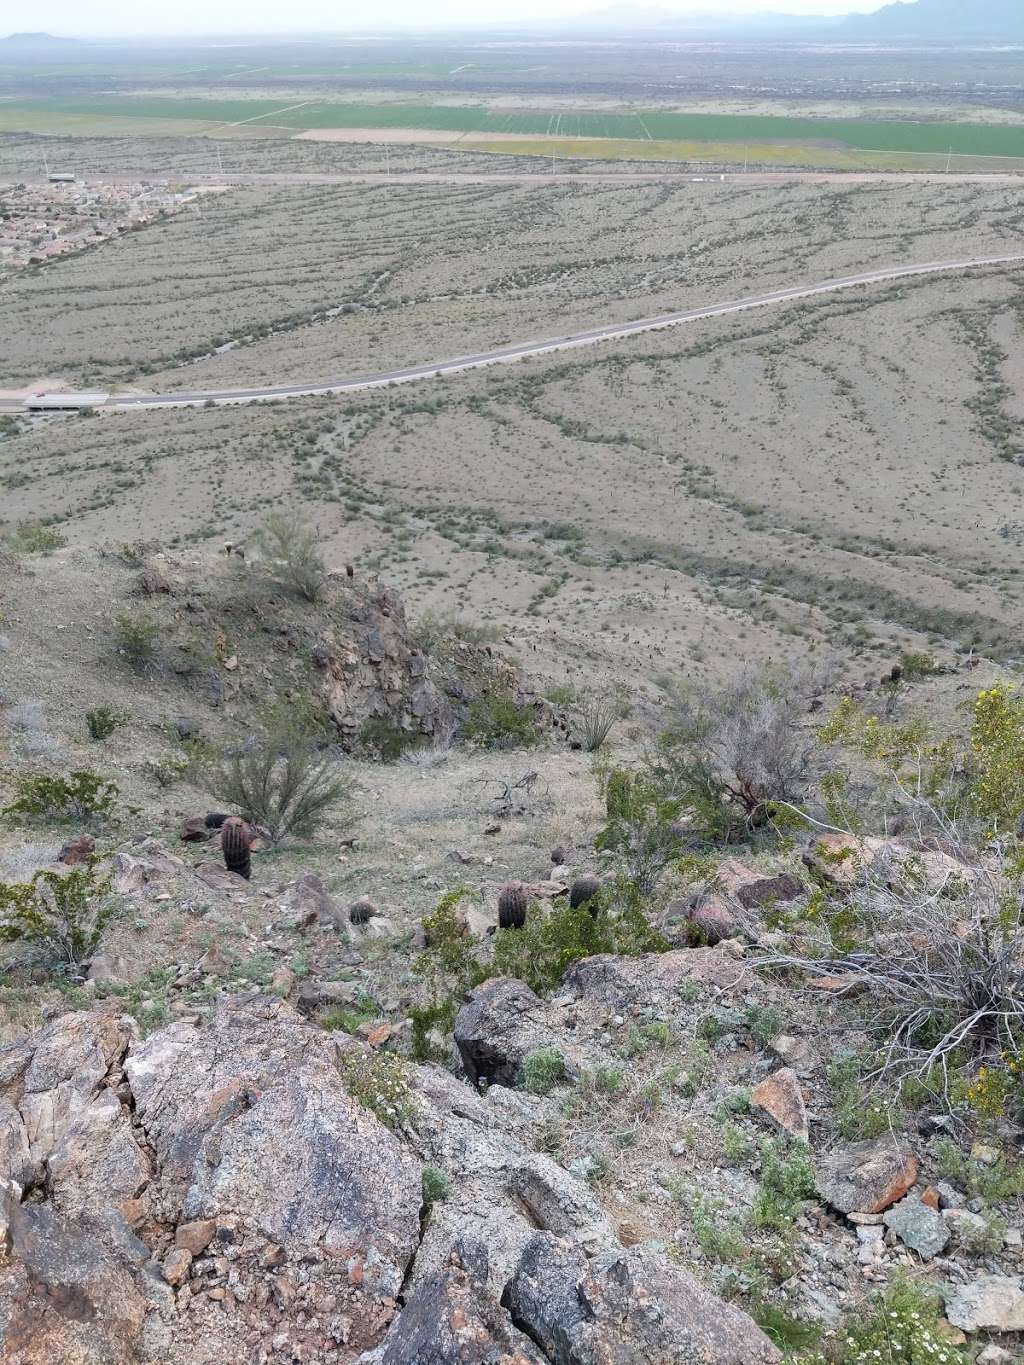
x: 584, y: 889
x: 362, y: 911
x: 561, y: 854
x: 512, y: 903
x: 236, y: 845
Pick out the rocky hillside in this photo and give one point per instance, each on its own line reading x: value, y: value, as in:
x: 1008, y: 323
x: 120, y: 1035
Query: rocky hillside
x: 704, y: 1048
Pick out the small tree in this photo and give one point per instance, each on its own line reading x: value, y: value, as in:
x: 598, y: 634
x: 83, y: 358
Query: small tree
x: 282, y: 782
x: 64, y: 913
x: 292, y: 554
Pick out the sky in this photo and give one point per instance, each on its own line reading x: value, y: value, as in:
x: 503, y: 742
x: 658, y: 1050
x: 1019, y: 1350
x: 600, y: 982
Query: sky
x: 102, y: 18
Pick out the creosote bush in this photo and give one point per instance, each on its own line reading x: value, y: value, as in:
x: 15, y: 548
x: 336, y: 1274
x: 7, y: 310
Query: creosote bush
x: 282, y: 782
x: 291, y: 553
x: 496, y: 720
x: 82, y: 796
x: 62, y: 913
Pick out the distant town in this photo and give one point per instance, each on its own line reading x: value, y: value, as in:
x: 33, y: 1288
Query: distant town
x: 42, y: 221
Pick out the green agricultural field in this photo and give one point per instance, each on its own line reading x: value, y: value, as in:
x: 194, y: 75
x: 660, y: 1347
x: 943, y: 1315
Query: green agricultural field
x: 764, y: 138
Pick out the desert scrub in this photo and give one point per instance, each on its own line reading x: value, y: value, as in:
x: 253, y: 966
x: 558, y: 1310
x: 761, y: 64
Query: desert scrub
x: 63, y: 914
x: 1003, y: 1180
x: 102, y: 721
x: 496, y: 720
x: 595, y: 715
x: 82, y: 796
x: 379, y: 1082
x: 282, y: 782
x: 136, y: 640
x: 550, y: 941
x: 542, y: 1070
x: 857, y: 1113
x: 787, y: 1179
x: 449, y: 967
x: 291, y: 554
x: 32, y: 538
x: 997, y: 757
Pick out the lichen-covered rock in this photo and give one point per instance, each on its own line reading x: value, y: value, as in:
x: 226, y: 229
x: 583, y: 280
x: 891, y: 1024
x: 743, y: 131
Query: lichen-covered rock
x: 867, y: 1177
x: 626, y: 1308
x: 779, y: 1100
x: 453, y: 1319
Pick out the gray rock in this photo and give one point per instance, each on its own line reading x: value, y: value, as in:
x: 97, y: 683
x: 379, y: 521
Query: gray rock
x: 993, y: 1303
x: 626, y: 1308
x: 918, y: 1226
x: 453, y: 1319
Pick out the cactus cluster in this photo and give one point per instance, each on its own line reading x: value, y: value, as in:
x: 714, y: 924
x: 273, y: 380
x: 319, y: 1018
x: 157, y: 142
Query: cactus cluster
x: 236, y: 845
x: 512, y: 903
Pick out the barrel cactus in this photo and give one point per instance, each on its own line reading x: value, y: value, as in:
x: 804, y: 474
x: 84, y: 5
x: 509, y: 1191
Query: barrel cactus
x: 236, y: 845
x: 584, y: 890
x: 362, y: 911
x: 512, y: 903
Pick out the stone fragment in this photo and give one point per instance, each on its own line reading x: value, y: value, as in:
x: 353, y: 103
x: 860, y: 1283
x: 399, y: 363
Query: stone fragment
x: 196, y: 1236
x: 77, y: 850
x: 769, y: 891
x: 779, y: 1100
x: 919, y: 1227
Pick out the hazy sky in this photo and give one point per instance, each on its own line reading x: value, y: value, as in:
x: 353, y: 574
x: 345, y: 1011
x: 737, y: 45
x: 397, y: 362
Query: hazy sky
x: 102, y: 17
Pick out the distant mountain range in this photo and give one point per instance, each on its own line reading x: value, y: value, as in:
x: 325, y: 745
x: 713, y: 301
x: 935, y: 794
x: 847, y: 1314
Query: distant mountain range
x: 924, y: 20
x: 937, y: 19
x: 35, y: 40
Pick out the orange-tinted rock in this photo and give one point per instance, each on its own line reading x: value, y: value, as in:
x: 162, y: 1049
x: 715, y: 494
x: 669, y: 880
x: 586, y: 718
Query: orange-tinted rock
x: 779, y: 1100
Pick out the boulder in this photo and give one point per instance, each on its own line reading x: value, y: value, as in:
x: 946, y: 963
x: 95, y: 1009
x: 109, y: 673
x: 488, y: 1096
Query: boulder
x: 501, y: 1023
x: 630, y: 1307
x: 779, y: 1100
x: 711, y: 922
x: 77, y: 1293
x: 77, y: 850
x: 217, y: 877
x: 993, y: 1303
x: 305, y: 902
x: 655, y: 978
x: 146, y: 865
x: 453, y: 1319
x: 867, y: 1177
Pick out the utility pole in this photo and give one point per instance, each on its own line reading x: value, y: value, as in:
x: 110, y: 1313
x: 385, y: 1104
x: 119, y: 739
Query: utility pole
x: 46, y: 164
x: 949, y: 161
x: 220, y: 161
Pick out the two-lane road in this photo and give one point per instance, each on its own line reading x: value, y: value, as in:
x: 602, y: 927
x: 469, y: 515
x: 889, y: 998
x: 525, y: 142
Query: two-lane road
x: 508, y: 354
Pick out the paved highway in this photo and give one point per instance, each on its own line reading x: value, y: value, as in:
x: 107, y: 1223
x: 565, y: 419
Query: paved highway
x: 508, y: 354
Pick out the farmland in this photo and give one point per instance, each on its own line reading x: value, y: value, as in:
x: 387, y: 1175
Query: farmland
x: 651, y: 125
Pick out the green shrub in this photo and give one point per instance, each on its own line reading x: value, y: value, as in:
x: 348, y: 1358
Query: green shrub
x: 550, y: 941
x: 542, y: 1070
x: 137, y: 640
x: 102, y: 721
x: 385, y: 739
x: 787, y: 1179
x: 379, y: 1082
x: 595, y: 716
x: 30, y: 538
x: 497, y: 721
x: 764, y: 1022
x: 292, y: 555
x: 603, y: 1080
x: 436, y: 1186
x: 82, y: 796
x: 450, y: 966
x: 63, y: 913
x: 641, y: 835
x: 282, y: 782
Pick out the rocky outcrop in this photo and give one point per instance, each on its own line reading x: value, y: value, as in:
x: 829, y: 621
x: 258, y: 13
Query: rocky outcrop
x: 502, y: 1023
x: 215, y: 1192
x: 628, y: 1307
